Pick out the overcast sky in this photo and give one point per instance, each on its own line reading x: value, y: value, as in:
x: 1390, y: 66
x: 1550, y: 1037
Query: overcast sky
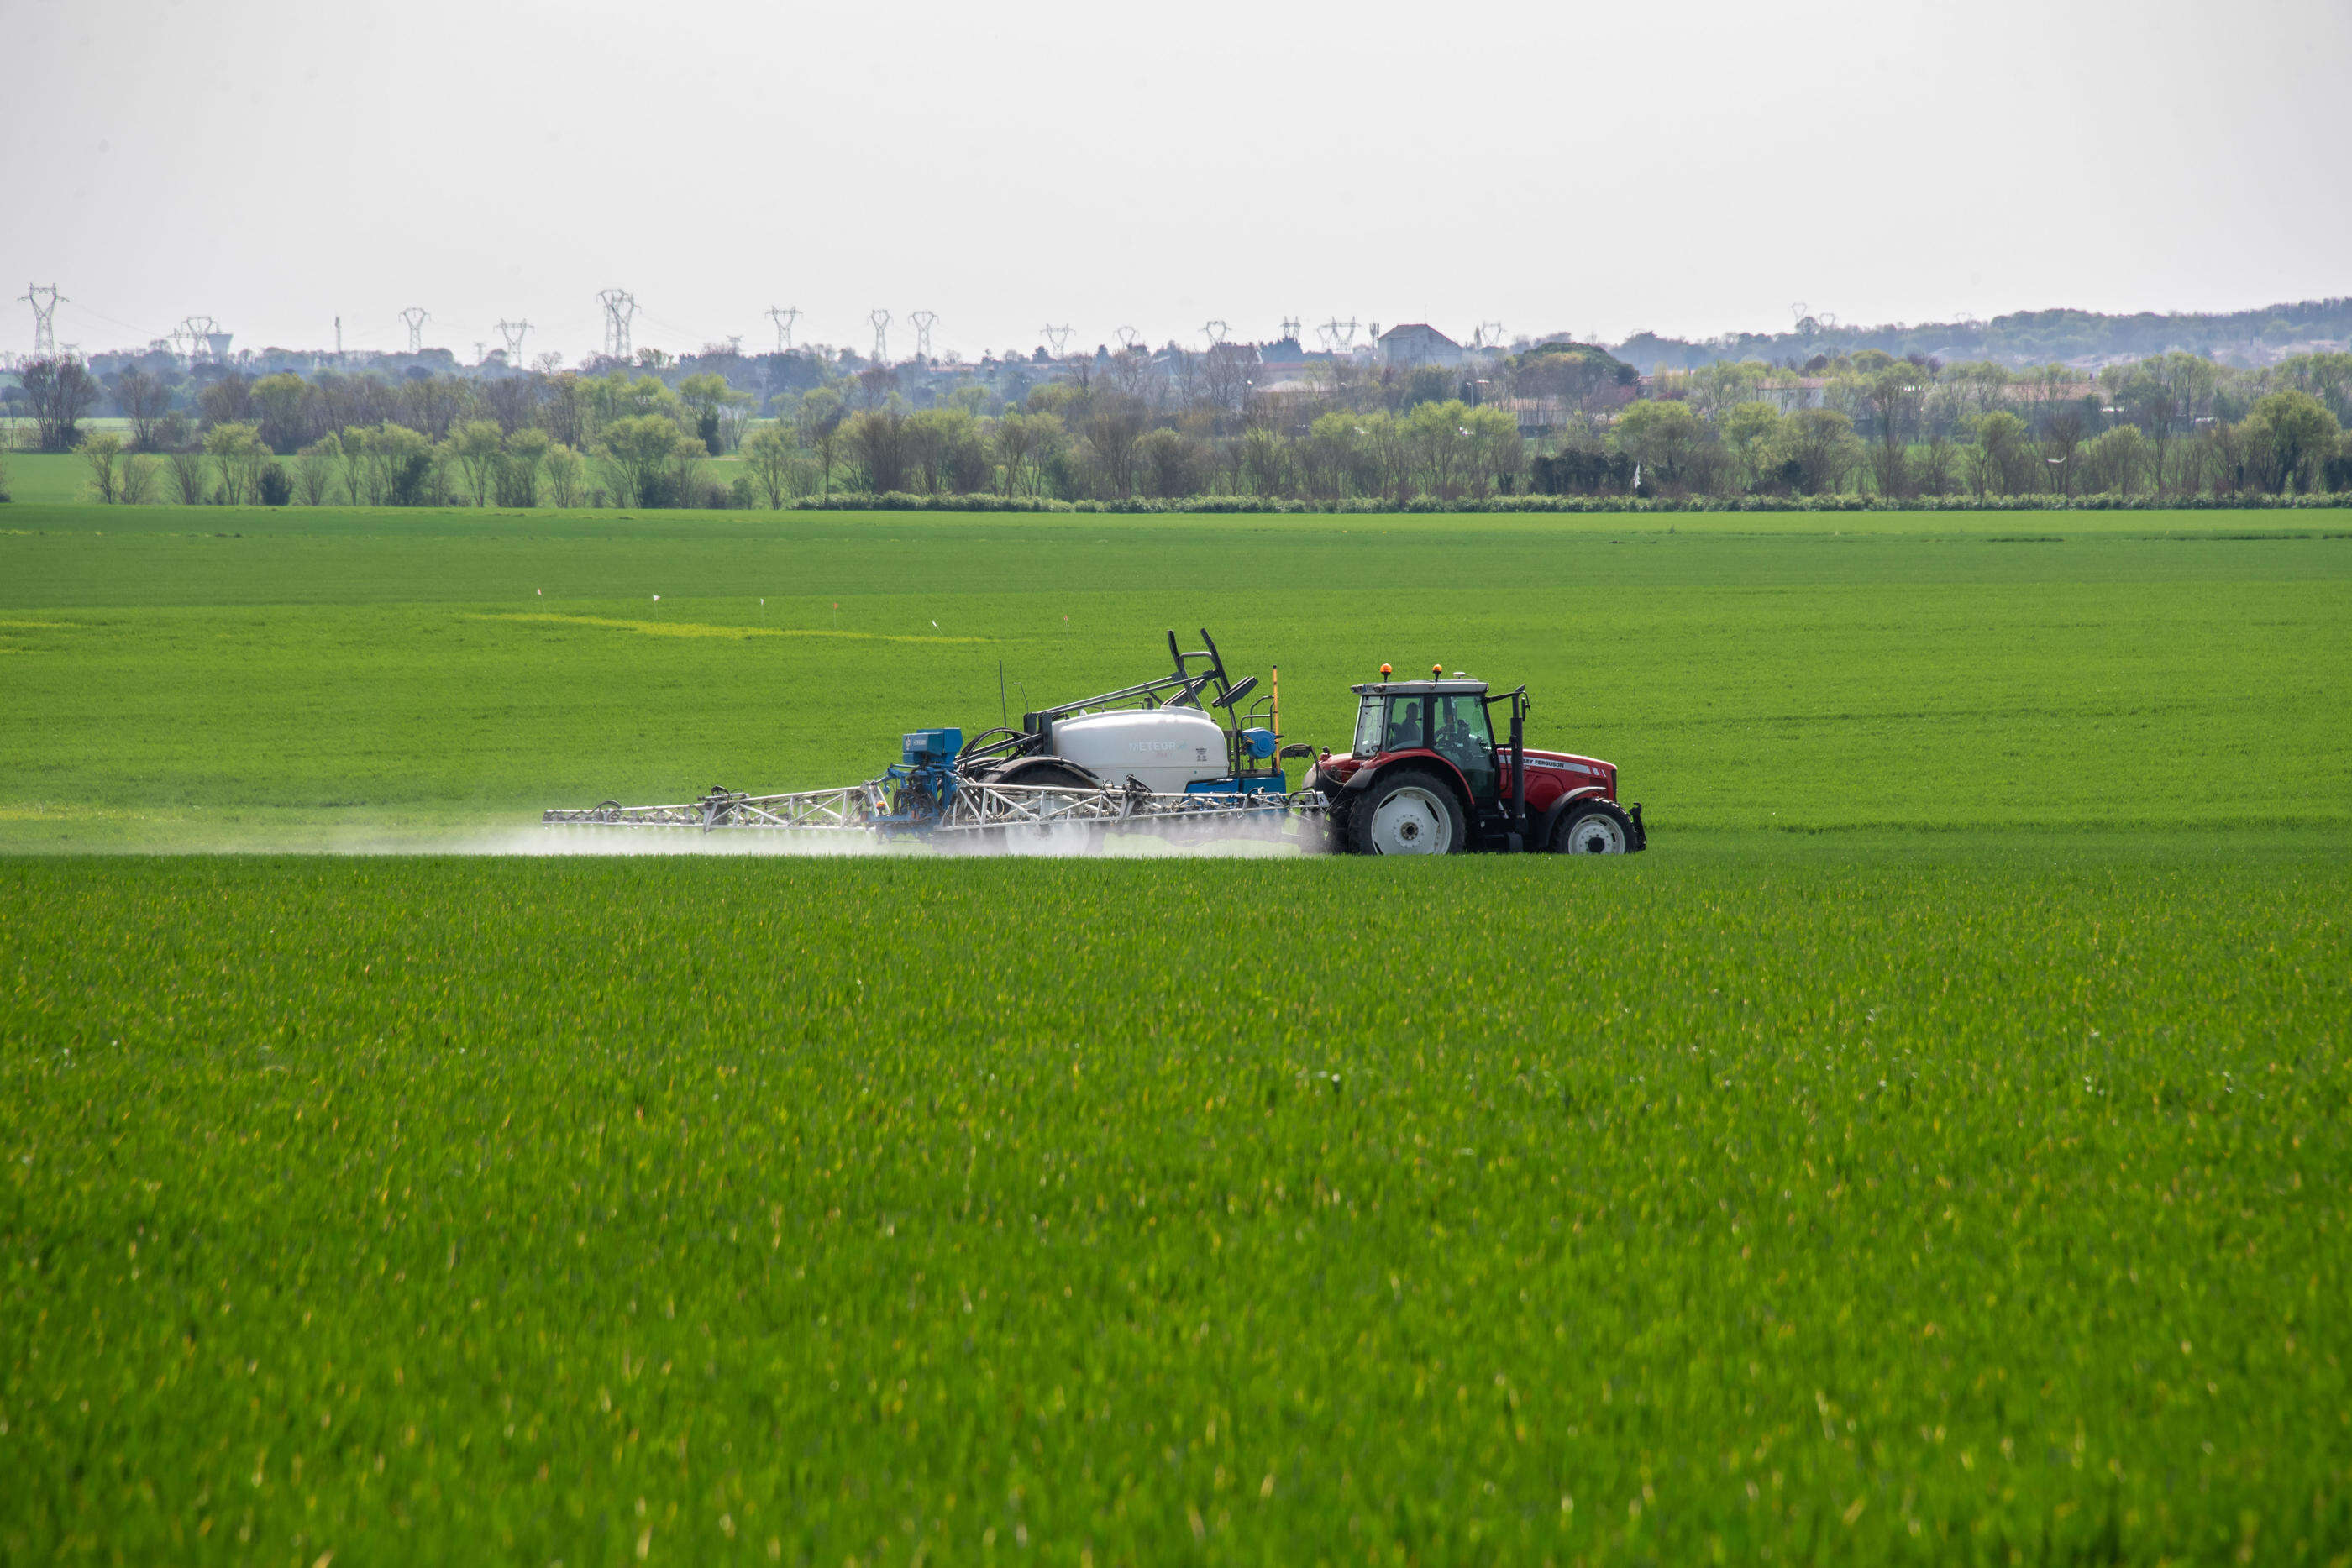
x: 1692, y: 169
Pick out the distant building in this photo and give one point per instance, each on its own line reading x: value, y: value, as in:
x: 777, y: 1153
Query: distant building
x: 1791, y: 393
x: 1417, y: 343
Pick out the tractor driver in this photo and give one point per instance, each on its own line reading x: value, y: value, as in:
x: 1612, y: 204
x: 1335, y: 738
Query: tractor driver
x: 1454, y: 739
x: 1404, y: 727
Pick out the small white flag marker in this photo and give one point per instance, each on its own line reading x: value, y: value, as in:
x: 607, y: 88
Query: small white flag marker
x: 656, y: 598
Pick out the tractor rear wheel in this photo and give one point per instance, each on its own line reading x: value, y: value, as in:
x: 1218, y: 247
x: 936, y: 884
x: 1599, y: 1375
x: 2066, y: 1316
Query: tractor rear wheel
x: 1593, y: 827
x: 1407, y: 813
x: 1046, y: 773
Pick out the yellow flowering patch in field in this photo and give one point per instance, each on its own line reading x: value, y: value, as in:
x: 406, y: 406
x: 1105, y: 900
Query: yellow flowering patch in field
x: 703, y: 629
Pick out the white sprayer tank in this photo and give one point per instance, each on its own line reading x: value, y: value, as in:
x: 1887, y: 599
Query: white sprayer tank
x: 1165, y: 748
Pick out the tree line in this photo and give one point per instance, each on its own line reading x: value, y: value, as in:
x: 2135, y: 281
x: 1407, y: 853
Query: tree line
x: 1558, y: 419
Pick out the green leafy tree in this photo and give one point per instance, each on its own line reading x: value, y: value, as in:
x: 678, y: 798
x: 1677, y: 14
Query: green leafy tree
x: 1264, y: 462
x: 281, y: 408
x: 138, y: 480
x: 360, y: 469
x: 1328, y: 457
x: 2000, y: 459
x: 238, y: 456
x: 1391, y: 451
x: 567, y: 483
x: 2116, y: 462
x: 519, y: 468
x: 1750, y: 430
x: 1170, y: 463
x: 315, y: 469
x: 1822, y: 444
x: 769, y: 455
x: 649, y: 459
x: 103, y: 453
x: 2288, y: 435
x: 401, y: 460
x: 1982, y: 386
x: 1498, y: 451
x: 1025, y: 444
x: 1439, y: 433
x: 1717, y: 389
x: 716, y: 410
x: 1661, y: 436
x: 476, y: 446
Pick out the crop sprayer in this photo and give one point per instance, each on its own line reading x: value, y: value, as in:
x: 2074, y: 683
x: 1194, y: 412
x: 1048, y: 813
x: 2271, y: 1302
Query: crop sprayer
x: 1425, y: 775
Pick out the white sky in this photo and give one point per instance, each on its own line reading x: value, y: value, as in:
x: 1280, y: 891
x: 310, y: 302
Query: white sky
x: 1692, y: 168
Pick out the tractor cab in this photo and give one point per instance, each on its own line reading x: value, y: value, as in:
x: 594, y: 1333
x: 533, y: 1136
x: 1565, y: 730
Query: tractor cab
x: 1428, y: 774
x: 1448, y: 717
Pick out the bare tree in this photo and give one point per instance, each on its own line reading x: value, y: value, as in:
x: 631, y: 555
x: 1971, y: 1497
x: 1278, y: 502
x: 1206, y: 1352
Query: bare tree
x: 144, y: 400
x: 314, y: 469
x: 1112, y: 428
x: 186, y: 470
x: 514, y: 401
x: 2062, y: 437
x: 877, y: 437
x: 1895, y: 397
x: 228, y: 401
x: 60, y: 392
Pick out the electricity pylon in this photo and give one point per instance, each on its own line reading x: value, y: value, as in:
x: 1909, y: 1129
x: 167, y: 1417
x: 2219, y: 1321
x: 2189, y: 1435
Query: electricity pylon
x: 43, y: 298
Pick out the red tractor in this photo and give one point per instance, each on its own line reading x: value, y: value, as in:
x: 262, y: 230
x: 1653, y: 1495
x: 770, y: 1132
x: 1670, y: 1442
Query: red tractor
x: 1426, y: 777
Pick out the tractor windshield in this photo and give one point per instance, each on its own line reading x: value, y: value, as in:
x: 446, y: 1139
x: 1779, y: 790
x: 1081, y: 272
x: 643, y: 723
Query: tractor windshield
x: 1369, y: 733
x: 1462, y: 733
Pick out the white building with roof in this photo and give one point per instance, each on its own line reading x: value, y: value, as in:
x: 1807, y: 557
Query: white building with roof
x: 1417, y: 343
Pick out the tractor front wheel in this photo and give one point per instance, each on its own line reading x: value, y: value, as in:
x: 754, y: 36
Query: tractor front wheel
x: 1594, y: 827
x: 1407, y: 813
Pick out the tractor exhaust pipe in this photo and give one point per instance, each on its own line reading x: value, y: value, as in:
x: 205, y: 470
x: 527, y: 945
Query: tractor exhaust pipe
x: 1519, y: 773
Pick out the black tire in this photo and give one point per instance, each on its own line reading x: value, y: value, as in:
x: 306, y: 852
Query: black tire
x: 1407, y: 813
x: 1046, y: 773
x: 1593, y: 827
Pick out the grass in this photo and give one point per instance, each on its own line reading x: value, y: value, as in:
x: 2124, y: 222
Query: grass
x: 1901, y: 1205
x: 1935, y: 1149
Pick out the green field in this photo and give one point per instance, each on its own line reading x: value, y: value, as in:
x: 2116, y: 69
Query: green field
x: 278, y: 677
x: 1936, y: 1149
